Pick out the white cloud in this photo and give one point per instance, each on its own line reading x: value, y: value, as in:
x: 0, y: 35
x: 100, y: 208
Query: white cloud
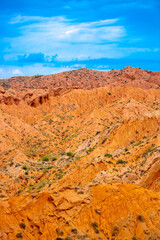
x: 22, y: 19
x: 10, y: 71
x: 66, y: 37
x: 16, y: 72
x: 103, y: 67
x: 78, y: 66
x: 101, y: 22
x: 67, y: 7
x: 156, y: 50
x: 62, y: 29
x: 69, y: 32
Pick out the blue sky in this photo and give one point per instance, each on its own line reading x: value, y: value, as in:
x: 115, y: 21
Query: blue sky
x: 45, y: 37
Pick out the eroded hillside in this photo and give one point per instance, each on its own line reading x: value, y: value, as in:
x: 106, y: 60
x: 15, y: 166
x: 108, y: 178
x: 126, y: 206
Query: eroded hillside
x: 81, y: 163
x: 87, y: 78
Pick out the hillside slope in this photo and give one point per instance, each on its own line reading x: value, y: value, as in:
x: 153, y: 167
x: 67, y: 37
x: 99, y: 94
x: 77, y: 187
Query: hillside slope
x: 80, y: 163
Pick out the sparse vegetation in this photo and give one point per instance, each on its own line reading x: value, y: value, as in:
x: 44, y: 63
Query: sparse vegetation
x: 134, y: 238
x: 19, y: 235
x: 108, y: 155
x: 95, y: 227
x: 109, y: 162
x: 74, y: 230
x: 115, y: 230
x: 70, y: 154
x: 24, y: 167
x: 120, y: 161
x: 146, y: 152
x: 22, y: 225
x: 140, y: 218
x: 54, y: 158
x: 45, y: 158
x: 104, y: 140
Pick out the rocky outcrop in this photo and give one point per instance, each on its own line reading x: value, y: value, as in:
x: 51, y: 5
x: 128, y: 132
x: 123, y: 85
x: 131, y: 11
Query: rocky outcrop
x: 104, y: 211
x: 8, y: 98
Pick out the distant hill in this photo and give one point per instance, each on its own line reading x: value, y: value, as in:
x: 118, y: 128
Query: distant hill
x: 87, y: 78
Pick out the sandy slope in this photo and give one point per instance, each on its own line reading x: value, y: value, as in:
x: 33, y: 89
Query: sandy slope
x: 80, y: 163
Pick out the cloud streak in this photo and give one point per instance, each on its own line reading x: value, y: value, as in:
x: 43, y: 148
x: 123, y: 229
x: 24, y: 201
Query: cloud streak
x: 65, y: 37
x: 63, y: 29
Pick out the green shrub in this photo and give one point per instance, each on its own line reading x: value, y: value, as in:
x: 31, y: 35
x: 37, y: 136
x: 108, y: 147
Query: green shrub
x: 104, y: 140
x: 60, y: 175
x: 110, y: 162
x: 140, y: 218
x: 50, y: 121
x: 11, y: 164
x: 24, y: 167
x: 115, y: 230
x: 54, y: 158
x: 2, y: 196
x: 89, y: 150
x: 134, y: 238
x: 94, y: 225
x: 146, y: 152
x: 50, y: 167
x: 22, y: 225
x: 97, y: 211
x: 137, y: 144
x: 19, y: 235
x: 70, y: 154
x: 120, y: 161
x: 59, y: 232
x: 108, y: 155
x: 19, y: 191
x: 80, y: 192
x: 74, y: 230
x: 45, y: 158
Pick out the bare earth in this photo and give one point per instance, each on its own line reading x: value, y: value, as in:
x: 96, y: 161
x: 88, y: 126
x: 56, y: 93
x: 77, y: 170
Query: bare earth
x: 80, y: 156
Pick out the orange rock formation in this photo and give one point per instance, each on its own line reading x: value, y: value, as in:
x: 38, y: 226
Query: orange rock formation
x: 80, y: 159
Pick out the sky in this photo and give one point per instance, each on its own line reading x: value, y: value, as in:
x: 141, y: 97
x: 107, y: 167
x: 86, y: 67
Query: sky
x: 51, y: 36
